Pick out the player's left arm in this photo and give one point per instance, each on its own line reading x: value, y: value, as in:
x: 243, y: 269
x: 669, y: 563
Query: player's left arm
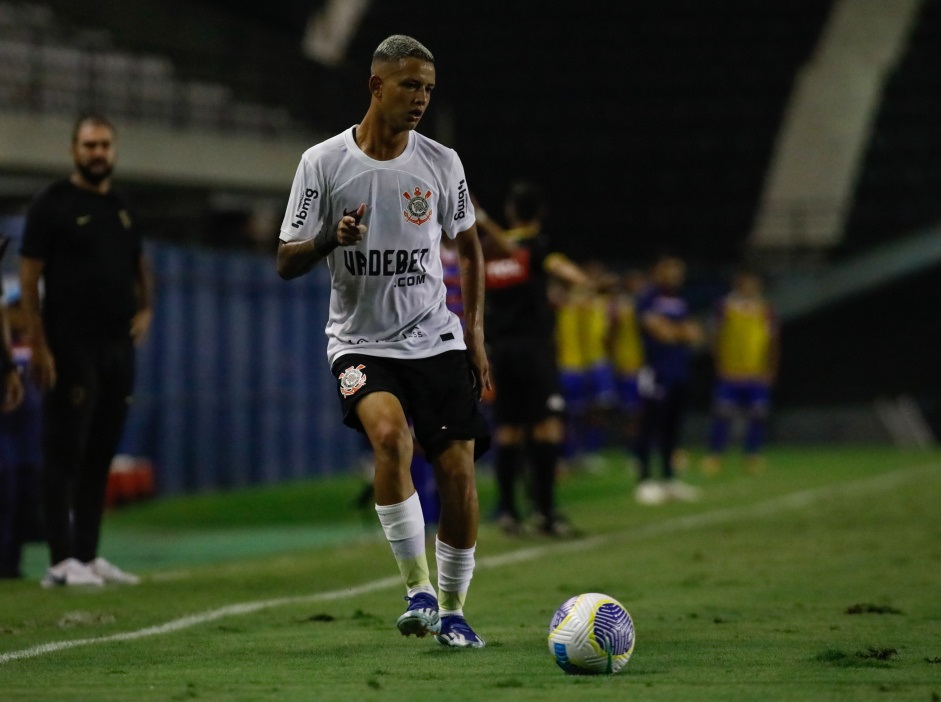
x: 471, y: 259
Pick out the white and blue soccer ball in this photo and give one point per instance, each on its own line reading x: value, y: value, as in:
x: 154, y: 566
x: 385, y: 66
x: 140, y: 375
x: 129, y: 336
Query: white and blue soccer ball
x: 591, y: 634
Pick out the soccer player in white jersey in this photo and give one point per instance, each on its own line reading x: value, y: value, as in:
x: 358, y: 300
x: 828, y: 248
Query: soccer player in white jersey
x: 374, y: 202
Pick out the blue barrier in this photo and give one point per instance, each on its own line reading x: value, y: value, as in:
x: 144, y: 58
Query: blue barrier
x: 233, y: 387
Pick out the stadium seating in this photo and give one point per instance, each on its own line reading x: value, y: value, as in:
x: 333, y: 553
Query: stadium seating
x: 49, y: 66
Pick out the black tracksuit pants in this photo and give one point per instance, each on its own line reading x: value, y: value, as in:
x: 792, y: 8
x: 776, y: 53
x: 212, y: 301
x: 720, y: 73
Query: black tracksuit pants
x: 83, y: 420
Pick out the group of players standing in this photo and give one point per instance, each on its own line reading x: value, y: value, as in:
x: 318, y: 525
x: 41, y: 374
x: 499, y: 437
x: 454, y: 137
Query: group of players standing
x: 604, y: 359
x: 625, y: 350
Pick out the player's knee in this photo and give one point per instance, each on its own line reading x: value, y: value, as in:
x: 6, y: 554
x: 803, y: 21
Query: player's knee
x: 509, y: 435
x: 551, y: 430
x: 391, y: 440
x: 456, y: 462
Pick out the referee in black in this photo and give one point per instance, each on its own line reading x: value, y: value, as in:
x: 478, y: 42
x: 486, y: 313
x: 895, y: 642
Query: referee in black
x: 84, y: 245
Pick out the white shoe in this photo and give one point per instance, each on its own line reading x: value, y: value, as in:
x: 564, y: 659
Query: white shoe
x: 71, y: 571
x: 650, y: 492
x: 110, y: 573
x: 678, y: 490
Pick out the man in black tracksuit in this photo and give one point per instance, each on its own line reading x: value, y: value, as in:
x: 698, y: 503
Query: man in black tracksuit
x: 85, y: 246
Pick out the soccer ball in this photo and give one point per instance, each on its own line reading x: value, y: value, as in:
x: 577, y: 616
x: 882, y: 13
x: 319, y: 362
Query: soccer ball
x: 591, y: 634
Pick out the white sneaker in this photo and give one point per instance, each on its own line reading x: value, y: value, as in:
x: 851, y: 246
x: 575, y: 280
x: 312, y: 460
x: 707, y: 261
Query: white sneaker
x: 71, y: 571
x: 678, y: 490
x: 650, y: 492
x: 110, y: 573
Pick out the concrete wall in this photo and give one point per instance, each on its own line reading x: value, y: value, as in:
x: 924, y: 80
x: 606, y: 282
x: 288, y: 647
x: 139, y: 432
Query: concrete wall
x: 149, y: 154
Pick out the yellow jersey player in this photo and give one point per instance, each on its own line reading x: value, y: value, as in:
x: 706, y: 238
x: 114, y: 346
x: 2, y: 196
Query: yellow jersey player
x: 626, y: 349
x: 746, y: 348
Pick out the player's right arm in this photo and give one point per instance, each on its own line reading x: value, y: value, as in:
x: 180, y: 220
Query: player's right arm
x: 308, y: 232
x: 296, y: 258
x: 494, y: 241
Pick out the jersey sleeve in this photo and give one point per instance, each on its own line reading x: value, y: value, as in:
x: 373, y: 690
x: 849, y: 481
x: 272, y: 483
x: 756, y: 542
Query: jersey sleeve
x: 456, y: 207
x: 37, y: 231
x: 305, y: 213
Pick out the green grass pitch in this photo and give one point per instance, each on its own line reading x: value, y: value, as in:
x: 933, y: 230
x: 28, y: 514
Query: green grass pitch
x: 817, y: 580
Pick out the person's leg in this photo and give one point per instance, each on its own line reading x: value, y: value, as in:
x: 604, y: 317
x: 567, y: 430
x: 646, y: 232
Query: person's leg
x: 109, y: 408
x: 756, y: 428
x: 397, y: 502
x: 510, y: 457
x: 372, y: 400
x: 67, y: 414
x: 572, y: 387
x: 545, y: 449
x: 723, y: 410
x: 457, y: 540
x: 647, y: 434
x: 673, y: 411
x: 650, y: 427
x: 448, y: 423
x: 674, y: 415
x: 399, y: 508
x: 601, y: 397
x: 508, y: 361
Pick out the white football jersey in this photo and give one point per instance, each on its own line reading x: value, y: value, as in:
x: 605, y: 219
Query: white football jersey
x: 388, y: 293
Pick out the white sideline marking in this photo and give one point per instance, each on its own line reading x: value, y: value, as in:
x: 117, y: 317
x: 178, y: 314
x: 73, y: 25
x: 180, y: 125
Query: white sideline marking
x: 795, y: 500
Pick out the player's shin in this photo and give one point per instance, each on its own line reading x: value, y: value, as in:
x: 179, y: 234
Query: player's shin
x: 404, y: 527
x: 455, y: 570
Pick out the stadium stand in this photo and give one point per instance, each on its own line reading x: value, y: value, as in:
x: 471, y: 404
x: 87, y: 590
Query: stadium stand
x: 897, y: 193
x: 852, y: 334
x: 49, y: 66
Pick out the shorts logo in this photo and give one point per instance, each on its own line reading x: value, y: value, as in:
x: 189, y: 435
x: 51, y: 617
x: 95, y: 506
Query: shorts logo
x: 417, y: 208
x: 351, y: 380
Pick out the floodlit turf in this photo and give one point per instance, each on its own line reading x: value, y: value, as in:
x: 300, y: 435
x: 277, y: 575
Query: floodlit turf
x: 818, y: 580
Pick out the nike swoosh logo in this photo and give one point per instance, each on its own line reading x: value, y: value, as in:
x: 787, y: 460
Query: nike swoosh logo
x: 83, y: 220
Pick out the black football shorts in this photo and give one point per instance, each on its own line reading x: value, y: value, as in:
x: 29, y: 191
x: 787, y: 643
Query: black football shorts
x: 526, y: 381
x: 438, y: 395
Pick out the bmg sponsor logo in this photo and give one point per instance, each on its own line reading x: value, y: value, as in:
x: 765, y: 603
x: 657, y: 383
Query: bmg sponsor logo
x: 300, y: 217
x: 461, y: 202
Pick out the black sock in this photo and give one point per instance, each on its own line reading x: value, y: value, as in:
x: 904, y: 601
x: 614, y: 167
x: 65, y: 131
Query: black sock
x: 544, y: 458
x: 507, y: 468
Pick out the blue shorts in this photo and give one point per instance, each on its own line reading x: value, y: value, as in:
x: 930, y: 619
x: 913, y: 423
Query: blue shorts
x: 574, y: 389
x: 602, y: 390
x: 592, y: 387
x: 628, y: 392
x: 746, y: 394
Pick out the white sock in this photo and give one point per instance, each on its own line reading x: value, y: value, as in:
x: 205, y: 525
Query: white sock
x: 404, y: 527
x: 455, y: 570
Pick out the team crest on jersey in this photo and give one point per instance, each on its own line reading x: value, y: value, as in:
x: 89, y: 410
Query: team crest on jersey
x: 351, y: 380
x: 417, y: 207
